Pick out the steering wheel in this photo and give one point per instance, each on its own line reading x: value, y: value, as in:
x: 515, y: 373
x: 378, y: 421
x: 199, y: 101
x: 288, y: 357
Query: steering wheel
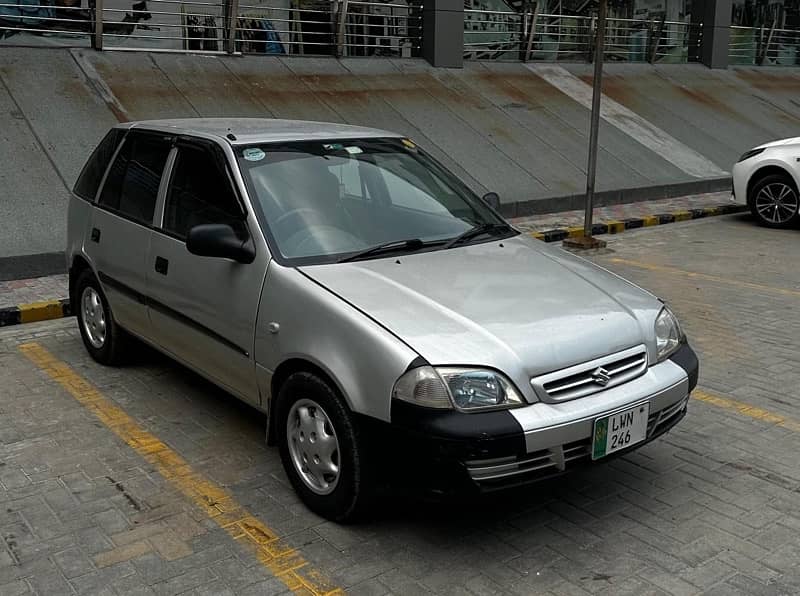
x: 298, y: 213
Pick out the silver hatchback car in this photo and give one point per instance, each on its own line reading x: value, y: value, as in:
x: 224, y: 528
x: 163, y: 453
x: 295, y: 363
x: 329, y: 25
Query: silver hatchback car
x: 389, y: 322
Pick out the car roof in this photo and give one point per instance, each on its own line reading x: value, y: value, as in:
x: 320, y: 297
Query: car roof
x: 261, y: 130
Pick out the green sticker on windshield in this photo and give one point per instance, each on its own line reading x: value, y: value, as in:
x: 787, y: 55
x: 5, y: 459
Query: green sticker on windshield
x: 253, y: 154
x: 333, y: 147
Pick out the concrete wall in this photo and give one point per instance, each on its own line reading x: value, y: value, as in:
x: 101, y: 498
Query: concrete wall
x: 519, y: 131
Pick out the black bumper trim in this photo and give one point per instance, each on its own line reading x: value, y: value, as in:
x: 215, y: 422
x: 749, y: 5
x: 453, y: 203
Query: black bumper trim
x: 687, y: 360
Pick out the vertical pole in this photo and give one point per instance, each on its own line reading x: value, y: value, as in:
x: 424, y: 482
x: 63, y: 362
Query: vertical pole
x: 597, y: 83
x: 523, y: 33
x: 341, y: 29
x: 97, y: 40
x: 233, y: 23
x: 531, y: 31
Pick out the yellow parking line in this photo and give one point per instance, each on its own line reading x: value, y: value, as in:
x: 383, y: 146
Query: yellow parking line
x: 286, y: 563
x: 706, y: 276
x: 747, y: 410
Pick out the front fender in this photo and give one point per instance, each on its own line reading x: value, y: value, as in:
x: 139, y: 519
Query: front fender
x: 362, y: 357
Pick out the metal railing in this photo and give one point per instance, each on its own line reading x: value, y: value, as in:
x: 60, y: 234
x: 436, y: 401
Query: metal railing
x: 762, y: 46
x: 29, y: 24
x: 342, y: 28
x: 324, y: 27
x: 504, y: 35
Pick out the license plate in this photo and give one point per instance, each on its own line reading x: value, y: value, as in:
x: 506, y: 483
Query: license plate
x: 619, y: 430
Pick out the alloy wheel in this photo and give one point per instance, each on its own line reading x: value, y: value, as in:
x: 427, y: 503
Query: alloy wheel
x: 93, y: 317
x: 777, y: 203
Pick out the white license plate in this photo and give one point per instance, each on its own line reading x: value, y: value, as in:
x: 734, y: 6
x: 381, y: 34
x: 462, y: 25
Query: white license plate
x: 620, y: 430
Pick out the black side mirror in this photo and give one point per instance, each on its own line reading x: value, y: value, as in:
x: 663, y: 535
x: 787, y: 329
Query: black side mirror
x: 492, y: 199
x: 219, y: 240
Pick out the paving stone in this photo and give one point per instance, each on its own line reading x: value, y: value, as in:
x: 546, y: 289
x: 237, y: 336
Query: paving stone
x: 73, y: 562
x: 124, y: 553
x: 15, y: 588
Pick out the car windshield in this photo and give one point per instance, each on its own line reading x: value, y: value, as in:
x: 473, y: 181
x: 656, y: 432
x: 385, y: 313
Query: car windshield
x: 325, y: 201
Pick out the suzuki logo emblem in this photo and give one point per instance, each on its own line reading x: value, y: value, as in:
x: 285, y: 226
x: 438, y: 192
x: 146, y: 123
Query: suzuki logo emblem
x: 601, y: 376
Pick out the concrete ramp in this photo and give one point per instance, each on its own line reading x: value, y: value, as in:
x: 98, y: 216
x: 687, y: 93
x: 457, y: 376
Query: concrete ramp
x: 720, y: 114
x: 50, y: 119
x: 519, y: 131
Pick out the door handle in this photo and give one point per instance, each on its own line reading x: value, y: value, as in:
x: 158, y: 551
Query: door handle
x: 95, y: 235
x: 162, y: 265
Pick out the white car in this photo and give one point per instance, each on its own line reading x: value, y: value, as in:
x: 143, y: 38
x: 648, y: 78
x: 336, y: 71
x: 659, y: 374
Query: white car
x: 766, y: 178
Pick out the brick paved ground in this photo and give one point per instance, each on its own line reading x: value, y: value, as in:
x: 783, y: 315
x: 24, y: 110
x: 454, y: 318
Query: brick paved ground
x: 55, y: 287
x: 711, y: 508
x: 37, y: 289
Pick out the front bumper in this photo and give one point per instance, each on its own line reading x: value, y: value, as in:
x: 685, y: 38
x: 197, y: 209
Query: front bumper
x: 449, y: 451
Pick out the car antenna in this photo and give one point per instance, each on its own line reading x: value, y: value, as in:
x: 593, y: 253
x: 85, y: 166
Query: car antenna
x: 230, y: 135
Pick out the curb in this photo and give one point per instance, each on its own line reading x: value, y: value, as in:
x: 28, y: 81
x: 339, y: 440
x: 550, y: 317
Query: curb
x: 607, y: 198
x: 35, y: 311
x: 615, y: 226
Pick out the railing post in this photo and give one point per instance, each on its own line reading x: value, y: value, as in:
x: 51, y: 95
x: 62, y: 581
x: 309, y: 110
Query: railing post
x: 761, y: 56
x: 523, y: 29
x: 531, y: 31
x: 97, y: 38
x: 443, y: 33
x: 232, y: 16
x: 659, y: 32
x: 341, y: 28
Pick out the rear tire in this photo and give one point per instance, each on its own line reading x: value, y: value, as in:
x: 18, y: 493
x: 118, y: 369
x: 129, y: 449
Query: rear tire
x: 321, y: 449
x: 105, y: 340
x: 774, y: 201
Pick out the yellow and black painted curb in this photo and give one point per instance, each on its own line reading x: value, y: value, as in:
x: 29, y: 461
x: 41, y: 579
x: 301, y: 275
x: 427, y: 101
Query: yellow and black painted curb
x: 619, y: 226
x: 35, y: 311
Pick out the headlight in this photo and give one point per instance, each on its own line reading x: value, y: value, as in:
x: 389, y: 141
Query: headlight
x: 669, y: 335
x: 751, y: 153
x: 464, y: 388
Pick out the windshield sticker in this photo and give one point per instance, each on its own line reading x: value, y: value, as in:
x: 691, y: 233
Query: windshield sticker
x: 353, y: 150
x: 333, y: 147
x: 253, y: 154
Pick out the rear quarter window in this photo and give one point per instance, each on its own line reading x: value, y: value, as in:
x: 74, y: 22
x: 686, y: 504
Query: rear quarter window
x: 131, y: 187
x: 92, y: 173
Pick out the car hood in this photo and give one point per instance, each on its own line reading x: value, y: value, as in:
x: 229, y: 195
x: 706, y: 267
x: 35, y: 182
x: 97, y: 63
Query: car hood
x: 516, y: 305
x: 791, y: 141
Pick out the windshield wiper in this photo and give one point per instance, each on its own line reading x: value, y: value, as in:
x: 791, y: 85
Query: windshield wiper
x: 388, y: 247
x: 479, y: 230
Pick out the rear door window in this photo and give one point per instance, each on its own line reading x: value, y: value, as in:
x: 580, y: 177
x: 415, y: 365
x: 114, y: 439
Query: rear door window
x: 92, y: 173
x: 131, y: 187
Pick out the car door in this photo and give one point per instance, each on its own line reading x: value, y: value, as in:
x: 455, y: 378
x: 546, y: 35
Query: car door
x: 203, y: 309
x: 121, y: 223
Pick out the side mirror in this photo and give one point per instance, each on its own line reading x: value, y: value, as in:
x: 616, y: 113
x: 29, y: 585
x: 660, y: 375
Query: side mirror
x: 219, y: 240
x: 492, y: 199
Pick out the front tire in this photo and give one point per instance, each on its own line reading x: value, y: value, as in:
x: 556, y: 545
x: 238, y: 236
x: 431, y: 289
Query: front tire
x: 105, y: 341
x: 320, y: 448
x: 774, y: 201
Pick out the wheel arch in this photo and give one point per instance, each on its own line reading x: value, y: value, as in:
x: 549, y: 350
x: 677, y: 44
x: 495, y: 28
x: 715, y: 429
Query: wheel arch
x: 769, y: 170
x: 286, y: 369
x: 79, y: 264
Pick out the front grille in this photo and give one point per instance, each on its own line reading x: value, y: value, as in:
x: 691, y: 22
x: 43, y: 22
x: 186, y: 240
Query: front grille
x: 591, y: 377
x: 507, y: 471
